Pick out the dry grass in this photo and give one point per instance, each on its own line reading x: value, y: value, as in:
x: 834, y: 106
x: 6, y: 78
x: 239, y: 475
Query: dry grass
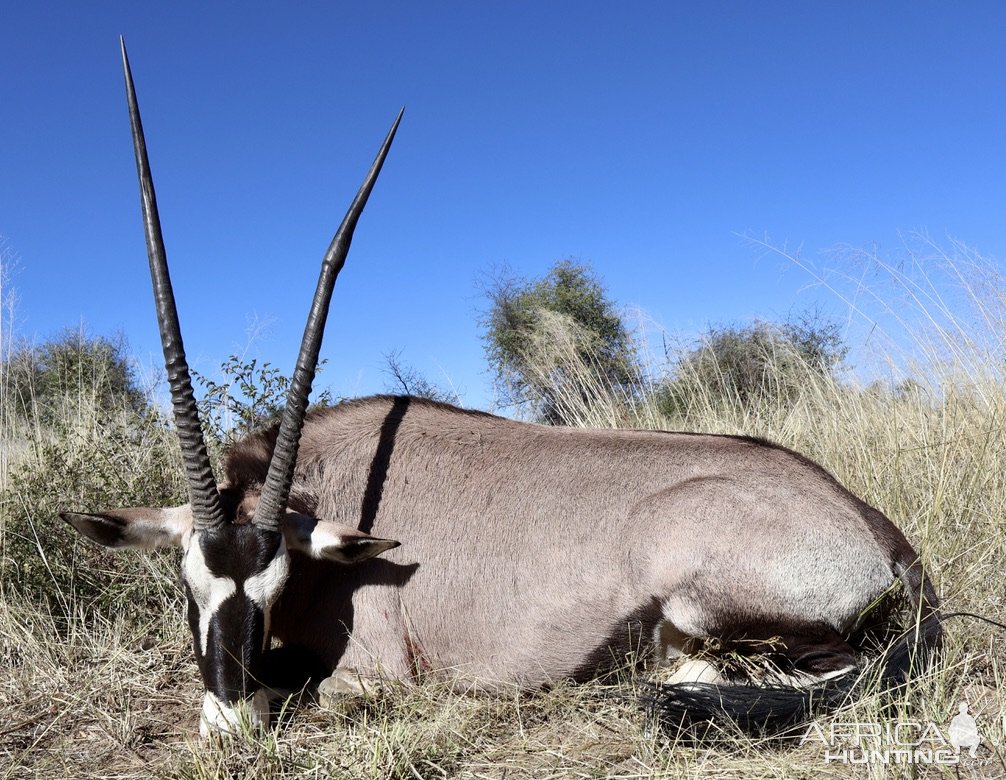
x: 104, y: 703
x: 93, y: 687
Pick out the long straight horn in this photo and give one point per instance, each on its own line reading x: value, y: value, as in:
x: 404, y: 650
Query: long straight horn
x: 206, y: 509
x: 276, y: 491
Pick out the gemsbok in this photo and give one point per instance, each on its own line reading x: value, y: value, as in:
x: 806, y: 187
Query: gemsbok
x: 510, y: 553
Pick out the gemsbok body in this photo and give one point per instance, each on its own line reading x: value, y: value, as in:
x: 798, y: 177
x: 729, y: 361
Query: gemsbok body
x: 394, y: 537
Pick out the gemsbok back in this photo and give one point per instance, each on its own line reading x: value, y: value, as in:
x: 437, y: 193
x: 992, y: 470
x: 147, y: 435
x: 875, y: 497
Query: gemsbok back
x: 511, y: 553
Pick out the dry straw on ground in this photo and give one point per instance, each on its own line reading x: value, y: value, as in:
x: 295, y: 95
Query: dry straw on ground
x: 97, y: 678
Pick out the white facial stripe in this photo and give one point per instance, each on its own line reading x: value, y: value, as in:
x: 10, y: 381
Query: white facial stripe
x: 208, y: 590
x: 218, y: 716
x: 264, y: 588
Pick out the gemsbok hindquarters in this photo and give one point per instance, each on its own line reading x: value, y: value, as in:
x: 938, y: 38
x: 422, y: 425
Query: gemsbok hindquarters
x: 393, y: 537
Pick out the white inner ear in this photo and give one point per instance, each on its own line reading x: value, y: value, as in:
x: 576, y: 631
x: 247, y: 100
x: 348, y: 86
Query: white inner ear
x: 149, y: 529
x: 176, y: 523
x: 312, y: 536
x: 325, y: 540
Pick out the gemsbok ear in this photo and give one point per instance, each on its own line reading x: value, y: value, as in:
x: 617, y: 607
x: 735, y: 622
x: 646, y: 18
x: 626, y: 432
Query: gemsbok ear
x: 142, y: 528
x: 331, y: 541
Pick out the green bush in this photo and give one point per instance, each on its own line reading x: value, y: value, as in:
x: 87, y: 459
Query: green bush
x: 248, y: 397
x: 42, y: 382
x: 524, y: 326
x: 95, y: 459
x: 755, y: 364
x: 79, y: 434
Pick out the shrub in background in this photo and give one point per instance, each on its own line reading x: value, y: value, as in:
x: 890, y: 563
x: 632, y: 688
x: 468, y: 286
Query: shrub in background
x: 96, y: 459
x: 754, y: 364
x: 248, y: 397
x: 43, y: 381
x: 79, y: 434
x: 405, y: 379
x: 554, y: 340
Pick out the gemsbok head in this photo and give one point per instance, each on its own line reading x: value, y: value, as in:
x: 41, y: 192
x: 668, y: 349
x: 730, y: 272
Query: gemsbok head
x: 237, y: 545
x: 528, y: 553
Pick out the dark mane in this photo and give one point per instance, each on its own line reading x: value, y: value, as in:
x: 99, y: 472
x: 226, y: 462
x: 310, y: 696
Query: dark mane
x: 247, y: 461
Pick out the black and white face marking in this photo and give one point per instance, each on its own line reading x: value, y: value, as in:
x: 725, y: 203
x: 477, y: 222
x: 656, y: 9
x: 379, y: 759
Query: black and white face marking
x: 233, y: 575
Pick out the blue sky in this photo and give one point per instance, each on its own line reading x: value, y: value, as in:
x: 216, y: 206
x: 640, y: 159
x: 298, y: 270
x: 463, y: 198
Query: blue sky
x: 644, y: 138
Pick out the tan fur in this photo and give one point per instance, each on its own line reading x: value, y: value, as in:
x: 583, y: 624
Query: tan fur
x: 532, y: 553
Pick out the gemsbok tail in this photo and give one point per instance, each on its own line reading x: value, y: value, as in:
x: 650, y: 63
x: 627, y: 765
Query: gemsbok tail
x: 698, y: 708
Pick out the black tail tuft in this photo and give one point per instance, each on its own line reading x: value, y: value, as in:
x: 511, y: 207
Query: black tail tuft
x: 696, y: 710
x: 913, y: 653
